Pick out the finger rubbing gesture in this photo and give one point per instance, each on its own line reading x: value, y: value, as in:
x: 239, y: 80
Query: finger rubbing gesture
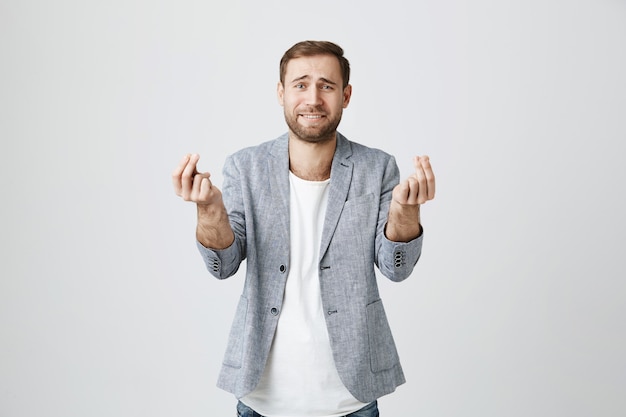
x: 191, y: 185
x: 403, y: 224
x: 419, y: 187
x: 213, y: 229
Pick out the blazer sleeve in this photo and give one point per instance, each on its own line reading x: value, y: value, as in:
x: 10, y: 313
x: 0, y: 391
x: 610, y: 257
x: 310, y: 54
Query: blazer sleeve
x: 395, y: 260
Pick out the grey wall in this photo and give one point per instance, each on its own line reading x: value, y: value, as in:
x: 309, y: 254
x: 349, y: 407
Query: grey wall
x: 517, y: 306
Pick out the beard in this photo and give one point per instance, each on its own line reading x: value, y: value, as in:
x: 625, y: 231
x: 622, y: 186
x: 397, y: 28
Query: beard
x: 315, y: 134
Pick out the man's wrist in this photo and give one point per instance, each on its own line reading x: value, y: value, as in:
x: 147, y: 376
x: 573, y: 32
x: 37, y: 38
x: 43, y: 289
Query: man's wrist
x: 213, y: 229
x: 403, y: 224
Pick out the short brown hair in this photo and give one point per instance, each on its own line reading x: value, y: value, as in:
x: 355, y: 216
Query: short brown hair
x: 312, y: 48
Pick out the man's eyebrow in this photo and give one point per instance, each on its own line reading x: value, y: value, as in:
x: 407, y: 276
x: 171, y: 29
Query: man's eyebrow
x: 327, y: 81
x: 306, y: 77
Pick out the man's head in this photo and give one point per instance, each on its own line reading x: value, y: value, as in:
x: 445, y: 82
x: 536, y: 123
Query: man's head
x: 314, y: 89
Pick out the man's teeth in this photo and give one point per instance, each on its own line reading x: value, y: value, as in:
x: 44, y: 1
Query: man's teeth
x: 311, y: 116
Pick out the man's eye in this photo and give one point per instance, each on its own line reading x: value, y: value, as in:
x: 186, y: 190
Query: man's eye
x: 299, y: 86
x: 327, y: 87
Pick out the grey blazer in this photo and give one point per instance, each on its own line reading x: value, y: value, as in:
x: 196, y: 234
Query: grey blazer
x: 256, y: 195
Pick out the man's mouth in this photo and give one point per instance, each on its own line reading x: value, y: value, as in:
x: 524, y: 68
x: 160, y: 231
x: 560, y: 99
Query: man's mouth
x: 312, y: 116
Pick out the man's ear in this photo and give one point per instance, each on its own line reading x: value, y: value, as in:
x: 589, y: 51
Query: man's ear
x: 347, y: 93
x: 280, y: 92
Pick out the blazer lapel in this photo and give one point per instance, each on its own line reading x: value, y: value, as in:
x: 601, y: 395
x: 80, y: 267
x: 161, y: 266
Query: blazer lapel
x: 340, y: 179
x: 278, y: 174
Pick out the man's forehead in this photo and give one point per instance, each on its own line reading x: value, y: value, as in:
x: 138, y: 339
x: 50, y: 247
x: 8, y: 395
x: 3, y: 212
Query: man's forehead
x: 313, y: 66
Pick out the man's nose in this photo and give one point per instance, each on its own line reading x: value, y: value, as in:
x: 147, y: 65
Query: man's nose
x: 313, y: 96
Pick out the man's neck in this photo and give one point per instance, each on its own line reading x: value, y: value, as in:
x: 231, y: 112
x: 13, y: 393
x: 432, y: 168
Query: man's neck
x: 311, y: 160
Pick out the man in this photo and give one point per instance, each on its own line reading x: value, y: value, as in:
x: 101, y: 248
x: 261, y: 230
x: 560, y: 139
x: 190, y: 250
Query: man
x: 313, y: 213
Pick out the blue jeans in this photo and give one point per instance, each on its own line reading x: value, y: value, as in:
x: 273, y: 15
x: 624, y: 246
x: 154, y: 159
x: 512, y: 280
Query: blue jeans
x: 370, y: 410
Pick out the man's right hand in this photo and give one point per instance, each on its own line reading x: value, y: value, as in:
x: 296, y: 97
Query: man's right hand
x: 191, y: 185
x: 213, y: 229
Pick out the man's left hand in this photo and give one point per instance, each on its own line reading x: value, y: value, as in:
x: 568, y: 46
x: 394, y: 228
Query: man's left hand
x: 403, y: 224
x: 419, y: 187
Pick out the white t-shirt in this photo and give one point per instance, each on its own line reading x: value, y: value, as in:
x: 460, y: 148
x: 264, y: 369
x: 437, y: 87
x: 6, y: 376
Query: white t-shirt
x: 300, y: 377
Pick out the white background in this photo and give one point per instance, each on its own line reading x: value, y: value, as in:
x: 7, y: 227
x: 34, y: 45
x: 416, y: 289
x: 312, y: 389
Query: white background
x: 517, y: 306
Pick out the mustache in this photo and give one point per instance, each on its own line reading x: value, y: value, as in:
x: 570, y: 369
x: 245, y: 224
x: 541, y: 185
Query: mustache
x: 312, y: 109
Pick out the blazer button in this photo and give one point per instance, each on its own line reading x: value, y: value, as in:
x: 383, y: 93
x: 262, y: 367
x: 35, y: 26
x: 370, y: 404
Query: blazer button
x: 282, y: 269
x: 398, y: 259
x: 274, y: 311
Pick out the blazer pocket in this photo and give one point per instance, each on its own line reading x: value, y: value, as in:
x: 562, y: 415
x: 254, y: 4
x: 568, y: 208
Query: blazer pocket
x: 383, y: 353
x: 234, y: 349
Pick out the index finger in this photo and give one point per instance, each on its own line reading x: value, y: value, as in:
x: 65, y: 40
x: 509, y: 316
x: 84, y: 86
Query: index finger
x: 422, y: 163
x: 181, y: 166
x: 178, y: 175
x: 189, y: 169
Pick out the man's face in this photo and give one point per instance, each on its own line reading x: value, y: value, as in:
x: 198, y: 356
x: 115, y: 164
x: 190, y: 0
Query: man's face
x: 313, y: 97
